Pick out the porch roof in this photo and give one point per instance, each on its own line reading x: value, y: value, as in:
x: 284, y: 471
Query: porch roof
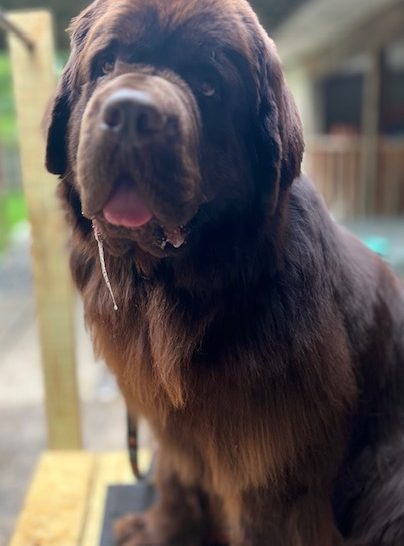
x: 273, y: 13
x: 320, y: 24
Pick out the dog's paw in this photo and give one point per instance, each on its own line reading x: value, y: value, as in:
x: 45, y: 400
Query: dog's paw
x: 154, y: 529
x: 132, y: 531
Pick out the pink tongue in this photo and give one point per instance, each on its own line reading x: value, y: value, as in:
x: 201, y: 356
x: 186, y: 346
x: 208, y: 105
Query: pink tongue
x: 126, y: 208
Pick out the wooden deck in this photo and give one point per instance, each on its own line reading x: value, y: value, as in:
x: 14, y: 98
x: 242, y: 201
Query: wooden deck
x: 65, y: 503
x: 336, y: 164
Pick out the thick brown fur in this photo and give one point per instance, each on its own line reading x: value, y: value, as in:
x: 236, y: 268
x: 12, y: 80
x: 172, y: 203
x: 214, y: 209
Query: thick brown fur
x: 267, y: 353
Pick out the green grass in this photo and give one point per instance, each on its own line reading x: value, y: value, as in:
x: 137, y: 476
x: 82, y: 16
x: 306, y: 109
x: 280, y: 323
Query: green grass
x: 12, y: 212
x: 12, y: 204
x: 8, y: 126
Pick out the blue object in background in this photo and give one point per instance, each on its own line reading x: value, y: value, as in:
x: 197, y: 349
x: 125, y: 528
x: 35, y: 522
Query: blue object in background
x: 380, y: 245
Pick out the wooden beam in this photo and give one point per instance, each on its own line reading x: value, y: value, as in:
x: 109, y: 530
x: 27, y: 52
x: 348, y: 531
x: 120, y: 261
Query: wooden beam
x: 111, y: 468
x: 373, y: 35
x: 34, y: 83
x: 371, y: 124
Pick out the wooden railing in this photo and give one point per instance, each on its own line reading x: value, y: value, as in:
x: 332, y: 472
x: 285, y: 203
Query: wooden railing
x: 335, y: 164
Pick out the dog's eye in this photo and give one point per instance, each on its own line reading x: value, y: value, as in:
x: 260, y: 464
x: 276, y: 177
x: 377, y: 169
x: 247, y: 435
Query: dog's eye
x: 203, y: 80
x: 107, y: 66
x: 207, y: 88
x: 104, y: 65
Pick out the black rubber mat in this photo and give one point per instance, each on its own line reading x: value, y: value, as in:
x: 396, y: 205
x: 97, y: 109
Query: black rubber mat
x: 123, y: 500
x: 127, y: 499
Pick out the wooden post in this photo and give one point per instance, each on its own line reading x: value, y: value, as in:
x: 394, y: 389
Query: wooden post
x: 34, y: 83
x: 372, y: 97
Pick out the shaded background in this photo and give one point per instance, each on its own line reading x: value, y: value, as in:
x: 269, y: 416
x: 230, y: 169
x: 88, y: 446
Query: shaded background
x: 344, y: 61
x: 273, y: 12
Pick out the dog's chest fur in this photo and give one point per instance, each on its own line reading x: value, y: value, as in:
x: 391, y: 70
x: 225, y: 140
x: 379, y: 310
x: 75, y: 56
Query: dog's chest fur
x: 227, y: 388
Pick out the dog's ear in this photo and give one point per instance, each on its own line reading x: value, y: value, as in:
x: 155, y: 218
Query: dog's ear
x: 56, y: 121
x: 58, y: 114
x: 280, y: 143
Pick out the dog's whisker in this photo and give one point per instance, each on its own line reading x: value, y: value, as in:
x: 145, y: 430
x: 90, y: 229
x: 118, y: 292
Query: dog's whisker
x: 103, y: 266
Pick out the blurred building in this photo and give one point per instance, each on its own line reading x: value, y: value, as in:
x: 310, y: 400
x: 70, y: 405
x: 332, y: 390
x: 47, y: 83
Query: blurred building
x: 344, y: 61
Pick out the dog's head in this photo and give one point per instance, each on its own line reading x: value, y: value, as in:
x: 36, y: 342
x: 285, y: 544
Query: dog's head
x: 171, y: 114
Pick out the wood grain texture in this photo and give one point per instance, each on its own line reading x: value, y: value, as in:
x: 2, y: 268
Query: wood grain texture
x: 56, y: 505
x: 66, y: 501
x: 34, y: 83
x: 111, y: 468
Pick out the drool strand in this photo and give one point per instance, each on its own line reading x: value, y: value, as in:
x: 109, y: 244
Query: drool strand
x: 103, y: 266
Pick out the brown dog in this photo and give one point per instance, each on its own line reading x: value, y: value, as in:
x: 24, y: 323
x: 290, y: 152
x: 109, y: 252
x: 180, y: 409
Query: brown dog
x: 263, y: 344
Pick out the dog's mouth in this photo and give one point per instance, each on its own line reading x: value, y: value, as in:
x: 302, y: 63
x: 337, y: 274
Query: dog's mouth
x: 127, y: 209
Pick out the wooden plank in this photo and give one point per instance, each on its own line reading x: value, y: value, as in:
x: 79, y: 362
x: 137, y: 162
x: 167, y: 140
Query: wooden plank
x: 34, y: 83
x: 111, y: 468
x: 371, y: 124
x: 388, y: 190
x: 56, y: 506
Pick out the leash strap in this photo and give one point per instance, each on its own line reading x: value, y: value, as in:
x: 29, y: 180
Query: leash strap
x: 132, y: 438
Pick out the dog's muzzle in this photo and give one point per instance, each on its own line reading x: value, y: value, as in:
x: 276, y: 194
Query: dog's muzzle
x: 132, y: 117
x: 138, y: 156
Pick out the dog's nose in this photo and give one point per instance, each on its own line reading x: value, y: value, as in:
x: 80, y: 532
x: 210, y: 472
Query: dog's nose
x: 132, y: 115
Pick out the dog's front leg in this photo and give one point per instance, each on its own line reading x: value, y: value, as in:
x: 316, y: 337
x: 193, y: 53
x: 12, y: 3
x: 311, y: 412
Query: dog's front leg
x: 270, y: 521
x: 180, y: 517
